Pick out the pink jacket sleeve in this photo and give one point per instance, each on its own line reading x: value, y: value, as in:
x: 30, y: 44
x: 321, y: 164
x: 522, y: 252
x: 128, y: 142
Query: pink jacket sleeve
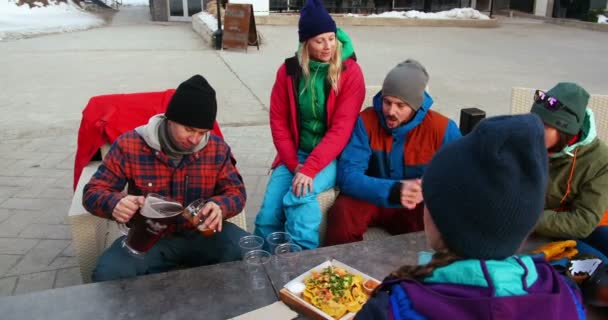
x: 280, y: 118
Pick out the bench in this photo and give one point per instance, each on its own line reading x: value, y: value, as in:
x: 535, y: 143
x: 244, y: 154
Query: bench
x: 521, y: 102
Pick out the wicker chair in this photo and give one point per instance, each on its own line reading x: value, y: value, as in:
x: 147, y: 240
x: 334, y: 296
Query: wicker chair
x: 92, y: 235
x: 522, y: 99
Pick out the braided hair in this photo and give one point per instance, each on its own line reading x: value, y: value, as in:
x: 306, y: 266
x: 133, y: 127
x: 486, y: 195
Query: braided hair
x: 419, y: 272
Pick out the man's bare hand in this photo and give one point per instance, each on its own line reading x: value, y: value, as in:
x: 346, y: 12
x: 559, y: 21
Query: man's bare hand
x: 411, y: 193
x: 211, y: 213
x: 126, y: 208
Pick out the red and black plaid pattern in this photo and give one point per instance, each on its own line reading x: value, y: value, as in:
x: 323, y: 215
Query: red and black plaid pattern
x: 208, y: 173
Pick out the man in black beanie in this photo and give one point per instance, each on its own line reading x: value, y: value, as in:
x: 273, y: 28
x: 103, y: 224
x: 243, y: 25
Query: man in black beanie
x: 176, y: 156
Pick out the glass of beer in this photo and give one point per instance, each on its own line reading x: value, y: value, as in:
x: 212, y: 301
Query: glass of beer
x: 192, y: 211
x: 149, y: 224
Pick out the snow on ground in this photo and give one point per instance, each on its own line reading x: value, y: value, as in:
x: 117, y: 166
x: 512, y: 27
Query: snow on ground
x: 22, y: 21
x: 209, y: 20
x: 458, y: 13
x: 134, y: 3
x: 602, y: 19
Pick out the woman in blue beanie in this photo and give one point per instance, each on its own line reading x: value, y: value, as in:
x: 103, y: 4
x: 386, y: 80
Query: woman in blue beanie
x: 576, y: 203
x: 476, y: 218
x: 315, y: 101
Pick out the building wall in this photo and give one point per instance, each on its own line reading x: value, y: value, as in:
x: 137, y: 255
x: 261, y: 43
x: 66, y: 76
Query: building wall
x: 501, y: 4
x: 598, y: 4
x: 159, y: 10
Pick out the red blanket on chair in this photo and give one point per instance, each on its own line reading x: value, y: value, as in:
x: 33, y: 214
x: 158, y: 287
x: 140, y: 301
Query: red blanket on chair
x: 107, y: 117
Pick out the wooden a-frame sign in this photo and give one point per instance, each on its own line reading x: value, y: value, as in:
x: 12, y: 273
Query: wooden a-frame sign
x: 239, y: 27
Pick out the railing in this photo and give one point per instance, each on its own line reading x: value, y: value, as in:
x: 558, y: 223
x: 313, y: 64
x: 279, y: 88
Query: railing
x: 286, y: 5
x: 429, y: 5
x: 371, y: 6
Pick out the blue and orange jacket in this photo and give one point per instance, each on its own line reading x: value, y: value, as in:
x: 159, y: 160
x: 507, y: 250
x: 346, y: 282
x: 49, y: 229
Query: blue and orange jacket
x: 377, y: 158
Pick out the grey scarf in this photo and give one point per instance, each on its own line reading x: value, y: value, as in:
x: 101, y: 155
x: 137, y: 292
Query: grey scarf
x: 167, y: 144
x: 157, y: 136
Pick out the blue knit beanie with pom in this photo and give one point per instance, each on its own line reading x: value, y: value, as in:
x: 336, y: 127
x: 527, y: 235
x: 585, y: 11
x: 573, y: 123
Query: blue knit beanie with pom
x: 314, y: 20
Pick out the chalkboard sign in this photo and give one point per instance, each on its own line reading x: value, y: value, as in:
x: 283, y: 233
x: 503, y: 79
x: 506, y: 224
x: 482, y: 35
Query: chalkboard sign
x: 239, y: 27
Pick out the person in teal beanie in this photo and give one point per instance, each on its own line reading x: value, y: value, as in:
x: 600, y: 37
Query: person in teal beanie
x: 314, y: 104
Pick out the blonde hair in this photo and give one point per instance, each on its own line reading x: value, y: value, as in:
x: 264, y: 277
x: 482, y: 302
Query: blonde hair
x: 335, y: 65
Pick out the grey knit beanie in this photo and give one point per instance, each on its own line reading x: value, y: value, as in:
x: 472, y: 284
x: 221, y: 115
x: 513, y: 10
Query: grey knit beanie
x: 407, y: 82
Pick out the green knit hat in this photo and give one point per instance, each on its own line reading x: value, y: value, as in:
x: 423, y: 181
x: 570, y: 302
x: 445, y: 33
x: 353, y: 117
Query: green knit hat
x: 569, y: 118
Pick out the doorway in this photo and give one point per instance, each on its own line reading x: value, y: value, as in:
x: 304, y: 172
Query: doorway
x: 183, y: 10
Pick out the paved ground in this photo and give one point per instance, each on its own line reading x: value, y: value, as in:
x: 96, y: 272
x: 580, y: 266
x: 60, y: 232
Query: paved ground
x: 46, y: 81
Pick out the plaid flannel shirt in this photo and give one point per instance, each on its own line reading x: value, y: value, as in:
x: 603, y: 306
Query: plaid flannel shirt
x: 209, y: 173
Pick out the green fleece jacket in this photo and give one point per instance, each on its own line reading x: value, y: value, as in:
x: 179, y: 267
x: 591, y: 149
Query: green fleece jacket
x: 312, y: 97
x: 580, y: 212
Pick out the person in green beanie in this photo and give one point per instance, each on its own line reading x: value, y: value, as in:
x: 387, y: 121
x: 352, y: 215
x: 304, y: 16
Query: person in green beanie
x: 576, y: 203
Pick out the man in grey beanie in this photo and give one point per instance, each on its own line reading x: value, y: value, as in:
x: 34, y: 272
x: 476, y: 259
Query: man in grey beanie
x: 380, y: 169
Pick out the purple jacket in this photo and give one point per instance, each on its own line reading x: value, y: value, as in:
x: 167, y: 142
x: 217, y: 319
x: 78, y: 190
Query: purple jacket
x: 547, y: 297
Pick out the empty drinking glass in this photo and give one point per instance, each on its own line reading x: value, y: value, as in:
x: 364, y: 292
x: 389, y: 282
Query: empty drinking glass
x: 287, y: 255
x: 277, y: 238
x: 255, y: 261
x: 250, y: 243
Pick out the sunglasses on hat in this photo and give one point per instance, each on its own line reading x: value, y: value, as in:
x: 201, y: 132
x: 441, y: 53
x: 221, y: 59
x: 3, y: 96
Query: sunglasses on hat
x: 551, y: 103
x: 548, y: 102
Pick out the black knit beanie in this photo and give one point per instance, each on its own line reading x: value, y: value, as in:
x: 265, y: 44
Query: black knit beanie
x: 486, y: 190
x: 193, y: 104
